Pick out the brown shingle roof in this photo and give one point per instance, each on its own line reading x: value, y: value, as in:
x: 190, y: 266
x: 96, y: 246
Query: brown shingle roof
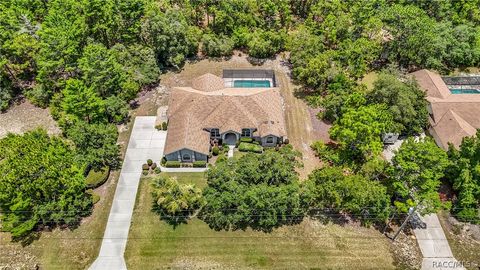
x: 190, y: 112
x: 432, y: 83
x: 451, y: 128
x: 208, y: 82
x: 454, y: 115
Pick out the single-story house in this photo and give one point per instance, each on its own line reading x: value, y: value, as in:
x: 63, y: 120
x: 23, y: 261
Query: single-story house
x: 222, y: 110
x: 454, y: 108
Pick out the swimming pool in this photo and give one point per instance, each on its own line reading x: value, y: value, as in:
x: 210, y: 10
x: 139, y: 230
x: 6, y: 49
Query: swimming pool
x: 251, y: 83
x: 465, y: 91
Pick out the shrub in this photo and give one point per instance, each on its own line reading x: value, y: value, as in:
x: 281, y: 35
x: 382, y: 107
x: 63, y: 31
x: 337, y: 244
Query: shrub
x: 97, y: 178
x: 153, y: 166
x: 157, y: 170
x: 164, y: 125
x: 95, y: 196
x: 145, y: 167
x: 145, y: 172
x: 172, y: 164
x: 215, y: 151
x: 246, y: 139
x: 159, y: 127
x: 163, y: 161
x: 250, y: 147
x: 221, y: 159
x: 149, y: 162
x: 200, y: 164
x: 286, y: 141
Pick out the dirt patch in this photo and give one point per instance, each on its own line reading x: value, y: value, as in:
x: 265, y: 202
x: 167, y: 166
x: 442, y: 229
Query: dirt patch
x: 406, y: 252
x: 16, y: 258
x: 24, y: 117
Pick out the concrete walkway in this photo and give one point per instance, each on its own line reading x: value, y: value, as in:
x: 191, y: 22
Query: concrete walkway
x: 433, y: 243
x: 230, y: 151
x: 145, y: 142
x: 185, y: 170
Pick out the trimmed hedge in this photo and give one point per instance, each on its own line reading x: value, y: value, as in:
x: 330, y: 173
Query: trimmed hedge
x: 215, y: 151
x: 200, y: 164
x: 250, y: 147
x: 246, y: 139
x: 172, y: 164
x: 95, y: 179
x: 95, y: 196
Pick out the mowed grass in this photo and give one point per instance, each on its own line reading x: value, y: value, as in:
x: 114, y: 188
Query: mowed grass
x: 153, y: 244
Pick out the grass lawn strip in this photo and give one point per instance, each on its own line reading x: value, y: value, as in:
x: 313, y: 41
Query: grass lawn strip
x: 311, y: 244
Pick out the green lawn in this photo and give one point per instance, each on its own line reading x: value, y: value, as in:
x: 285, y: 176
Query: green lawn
x: 153, y: 244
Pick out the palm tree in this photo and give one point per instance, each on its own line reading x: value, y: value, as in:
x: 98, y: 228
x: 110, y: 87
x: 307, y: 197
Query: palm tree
x: 173, y: 201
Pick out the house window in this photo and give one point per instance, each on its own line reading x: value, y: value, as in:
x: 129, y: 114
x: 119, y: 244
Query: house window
x: 214, y: 132
x: 186, y: 157
x: 270, y: 139
x: 246, y: 132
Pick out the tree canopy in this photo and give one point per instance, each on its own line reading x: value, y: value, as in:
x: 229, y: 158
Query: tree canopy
x: 359, y: 131
x: 418, y: 167
x: 464, y: 174
x: 258, y: 191
x: 175, y: 202
x: 334, y: 190
x: 39, y: 183
x: 405, y: 101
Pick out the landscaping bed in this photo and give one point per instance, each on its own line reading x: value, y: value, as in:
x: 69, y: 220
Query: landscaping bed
x: 250, y: 147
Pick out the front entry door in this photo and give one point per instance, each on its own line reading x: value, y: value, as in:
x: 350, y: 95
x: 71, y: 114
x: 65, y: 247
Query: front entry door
x: 230, y: 138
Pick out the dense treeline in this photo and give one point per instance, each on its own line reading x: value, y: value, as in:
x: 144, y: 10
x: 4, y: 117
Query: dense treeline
x: 87, y: 59
x: 42, y: 42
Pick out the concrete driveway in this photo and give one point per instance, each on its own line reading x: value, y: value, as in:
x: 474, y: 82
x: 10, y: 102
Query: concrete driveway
x: 433, y: 243
x: 145, y: 143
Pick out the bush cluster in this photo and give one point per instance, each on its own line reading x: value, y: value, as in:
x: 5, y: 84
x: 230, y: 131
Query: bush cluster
x: 173, y: 164
x: 246, y: 139
x: 95, y: 178
x: 199, y: 164
x: 250, y: 147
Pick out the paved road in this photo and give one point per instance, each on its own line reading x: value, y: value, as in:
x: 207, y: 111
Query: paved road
x: 145, y: 142
x: 436, y: 252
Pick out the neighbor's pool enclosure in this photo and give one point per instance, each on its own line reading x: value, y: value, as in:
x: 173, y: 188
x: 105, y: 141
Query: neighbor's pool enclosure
x: 463, y: 84
x: 249, y: 78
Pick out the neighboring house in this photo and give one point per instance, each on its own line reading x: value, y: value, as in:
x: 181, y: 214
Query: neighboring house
x: 222, y: 110
x: 454, y: 106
